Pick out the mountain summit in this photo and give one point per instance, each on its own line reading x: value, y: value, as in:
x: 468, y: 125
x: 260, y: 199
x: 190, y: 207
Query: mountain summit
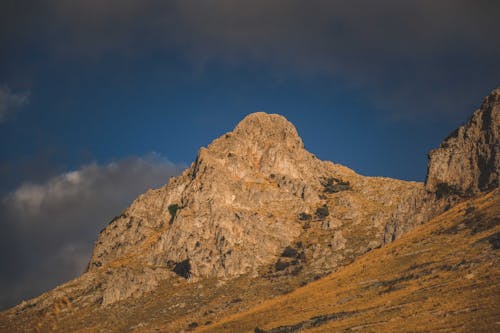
x: 248, y: 196
x: 255, y: 215
x: 262, y: 128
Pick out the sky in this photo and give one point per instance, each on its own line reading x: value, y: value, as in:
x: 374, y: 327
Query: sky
x: 101, y: 100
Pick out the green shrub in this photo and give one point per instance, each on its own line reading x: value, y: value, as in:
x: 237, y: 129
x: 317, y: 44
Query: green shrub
x: 322, y: 212
x: 304, y: 217
x: 183, y: 269
x: 289, y: 252
x: 281, y: 265
x: 172, y: 209
x: 443, y: 190
x: 334, y: 185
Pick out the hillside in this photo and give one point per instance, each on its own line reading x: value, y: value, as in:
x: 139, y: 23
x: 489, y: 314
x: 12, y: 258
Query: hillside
x: 443, y: 276
x: 256, y: 216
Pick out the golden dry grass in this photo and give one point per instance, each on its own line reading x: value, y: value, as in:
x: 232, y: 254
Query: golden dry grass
x: 442, y: 276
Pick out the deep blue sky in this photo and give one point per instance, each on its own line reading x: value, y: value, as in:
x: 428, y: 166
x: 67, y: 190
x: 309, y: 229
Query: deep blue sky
x: 114, y: 89
x: 372, y: 86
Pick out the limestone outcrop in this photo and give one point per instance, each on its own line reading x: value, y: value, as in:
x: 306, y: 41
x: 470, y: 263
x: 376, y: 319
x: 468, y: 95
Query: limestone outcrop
x: 250, y: 194
x: 468, y: 160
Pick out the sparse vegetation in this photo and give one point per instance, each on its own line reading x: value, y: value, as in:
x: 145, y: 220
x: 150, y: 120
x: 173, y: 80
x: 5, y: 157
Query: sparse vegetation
x: 322, y: 212
x: 335, y: 185
x: 281, y: 265
x: 444, y: 189
x: 172, y: 209
x: 183, y: 269
x: 289, y: 252
x: 305, y: 217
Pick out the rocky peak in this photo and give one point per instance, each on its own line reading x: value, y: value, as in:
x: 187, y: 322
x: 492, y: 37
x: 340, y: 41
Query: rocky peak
x: 250, y: 194
x: 261, y: 128
x: 468, y: 160
x: 241, y: 192
x: 260, y: 144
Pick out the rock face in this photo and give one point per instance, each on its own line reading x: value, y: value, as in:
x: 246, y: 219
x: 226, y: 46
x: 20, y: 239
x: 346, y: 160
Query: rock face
x: 468, y: 161
x: 232, y: 203
x: 248, y: 195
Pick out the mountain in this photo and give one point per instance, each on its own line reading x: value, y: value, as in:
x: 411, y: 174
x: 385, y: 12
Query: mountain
x: 257, y: 216
x: 249, y: 195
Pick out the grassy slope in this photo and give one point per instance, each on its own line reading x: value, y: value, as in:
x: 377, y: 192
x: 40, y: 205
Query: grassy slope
x: 442, y: 276
x: 438, y: 276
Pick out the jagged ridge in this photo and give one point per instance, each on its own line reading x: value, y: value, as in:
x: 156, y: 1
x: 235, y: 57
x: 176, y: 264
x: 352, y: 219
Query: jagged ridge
x: 468, y: 160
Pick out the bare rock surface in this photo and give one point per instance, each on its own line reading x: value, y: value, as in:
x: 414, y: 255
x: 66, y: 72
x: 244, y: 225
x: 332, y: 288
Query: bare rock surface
x: 239, y: 204
x: 468, y: 161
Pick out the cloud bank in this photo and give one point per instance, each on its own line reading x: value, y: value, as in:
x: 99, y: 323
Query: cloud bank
x: 49, y: 228
x: 410, y: 57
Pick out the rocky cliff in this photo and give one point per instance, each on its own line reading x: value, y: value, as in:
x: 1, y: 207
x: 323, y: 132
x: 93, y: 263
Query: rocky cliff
x: 249, y: 195
x: 468, y: 160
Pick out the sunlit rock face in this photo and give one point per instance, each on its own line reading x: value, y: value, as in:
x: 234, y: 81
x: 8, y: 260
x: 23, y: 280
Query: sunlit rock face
x: 239, y: 205
x: 468, y: 161
x: 234, y: 203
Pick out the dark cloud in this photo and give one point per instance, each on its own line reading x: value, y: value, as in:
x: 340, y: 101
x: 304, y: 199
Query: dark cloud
x: 11, y: 102
x: 409, y: 57
x: 48, y: 228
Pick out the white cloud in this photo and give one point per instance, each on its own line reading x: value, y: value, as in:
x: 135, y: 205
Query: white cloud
x: 48, y: 228
x: 10, y: 102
